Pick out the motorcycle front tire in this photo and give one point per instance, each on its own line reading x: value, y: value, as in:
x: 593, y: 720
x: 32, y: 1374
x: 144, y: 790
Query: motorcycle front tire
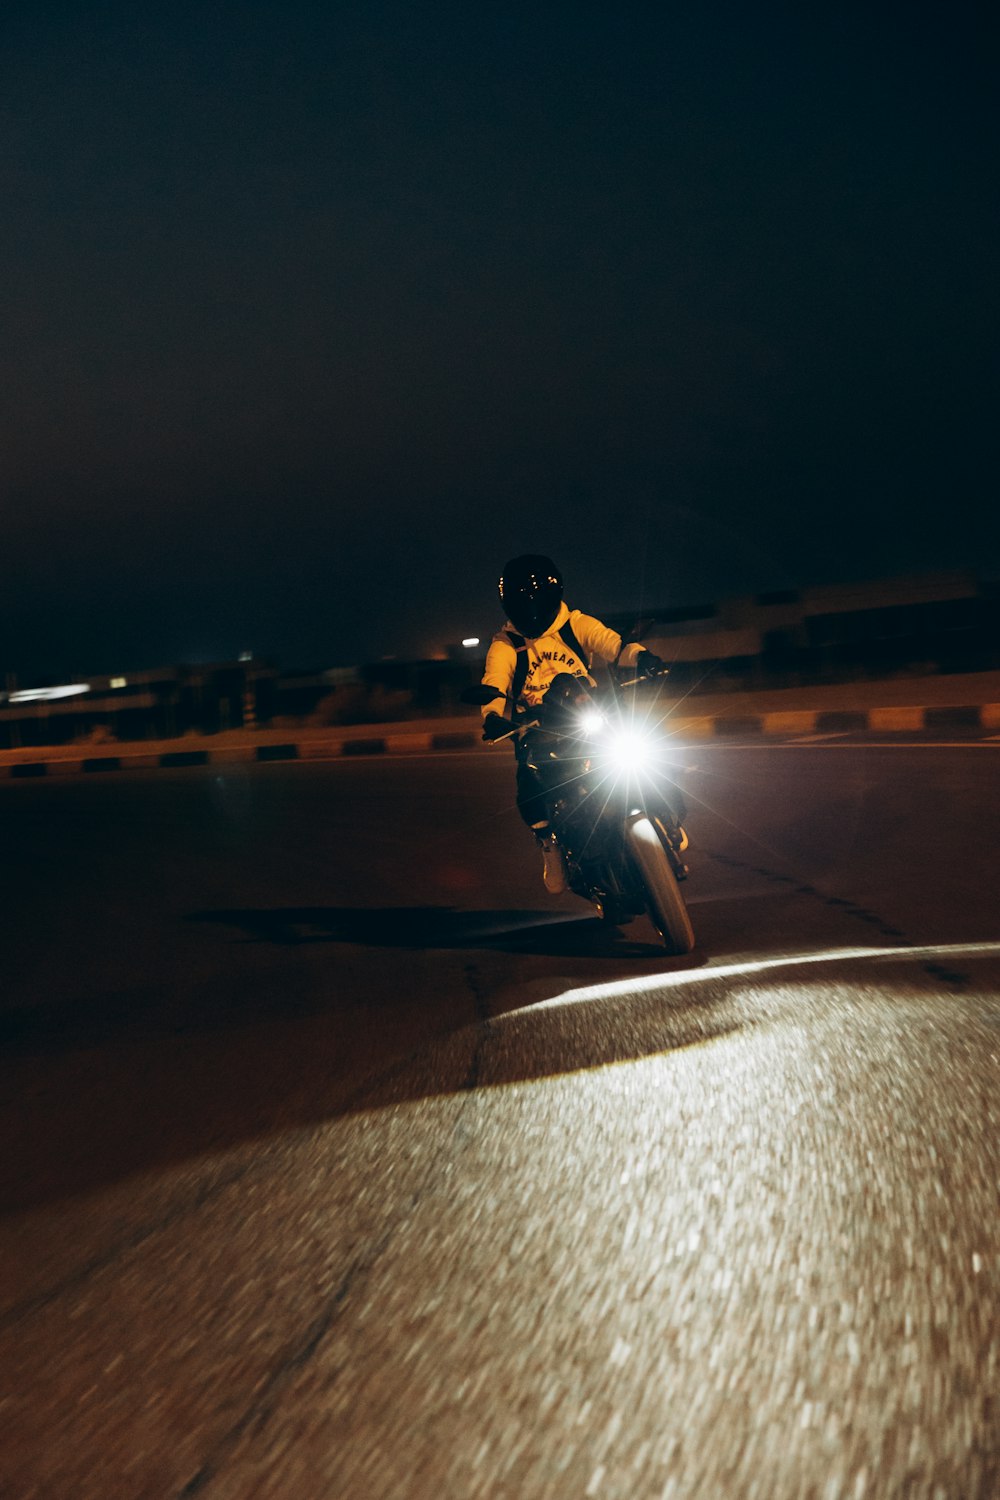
x: 664, y: 902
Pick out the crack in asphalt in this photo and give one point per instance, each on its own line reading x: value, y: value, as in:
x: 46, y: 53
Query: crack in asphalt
x: 205, y: 1194
x: 31, y: 1305
x: 263, y: 1408
x: 953, y: 978
x: 260, y: 1411
x: 268, y: 1397
x: 483, y: 1017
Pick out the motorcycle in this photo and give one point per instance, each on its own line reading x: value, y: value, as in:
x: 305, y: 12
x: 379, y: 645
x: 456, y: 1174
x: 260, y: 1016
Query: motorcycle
x: 613, y: 807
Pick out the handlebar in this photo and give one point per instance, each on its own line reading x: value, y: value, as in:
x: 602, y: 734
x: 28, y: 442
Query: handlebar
x: 514, y: 729
x: 519, y: 727
x: 645, y: 677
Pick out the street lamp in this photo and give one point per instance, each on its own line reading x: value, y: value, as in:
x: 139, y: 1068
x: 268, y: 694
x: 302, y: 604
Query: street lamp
x: 249, y: 696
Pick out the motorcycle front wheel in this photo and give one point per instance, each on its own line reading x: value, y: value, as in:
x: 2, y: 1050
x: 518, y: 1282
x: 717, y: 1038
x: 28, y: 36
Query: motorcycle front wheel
x: 664, y: 902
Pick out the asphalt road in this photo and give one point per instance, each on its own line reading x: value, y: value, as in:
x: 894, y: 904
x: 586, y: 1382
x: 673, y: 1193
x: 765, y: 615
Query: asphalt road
x: 342, y: 1161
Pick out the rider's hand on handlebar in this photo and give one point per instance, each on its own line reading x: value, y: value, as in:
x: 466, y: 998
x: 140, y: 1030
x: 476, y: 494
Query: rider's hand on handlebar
x: 648, y: 665
x: 495, y: 726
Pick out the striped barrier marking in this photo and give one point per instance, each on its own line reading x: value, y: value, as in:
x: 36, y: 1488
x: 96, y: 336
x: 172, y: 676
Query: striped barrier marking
x: 790, y: 721
x: 739, y: 724
x: 277, y: 752
x: 840, y: 721
x: 408, y: 744
x: 952, y: 718
x: 896, y: 718
x: 234, y: 755
x: 184, y: 758
x: 456, y: 741
x: 902, y: 719
x: 318, y: 749
x: 688, y: 728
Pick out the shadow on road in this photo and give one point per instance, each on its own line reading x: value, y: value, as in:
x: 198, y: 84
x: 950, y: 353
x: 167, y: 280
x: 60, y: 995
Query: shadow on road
x: 98, y: 1087
x: 422, y: 927
x: 255, y: 994
x: 417, y: 1003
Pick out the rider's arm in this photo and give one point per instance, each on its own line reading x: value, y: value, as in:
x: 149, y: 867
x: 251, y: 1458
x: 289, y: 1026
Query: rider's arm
x: 600, y: 640
x: 499, y: 673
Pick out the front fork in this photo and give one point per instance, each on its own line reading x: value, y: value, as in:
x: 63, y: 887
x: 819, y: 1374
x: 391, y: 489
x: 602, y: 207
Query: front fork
x: 674, y: 841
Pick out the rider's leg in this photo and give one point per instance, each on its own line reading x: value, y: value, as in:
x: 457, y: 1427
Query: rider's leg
x: 531, y: 806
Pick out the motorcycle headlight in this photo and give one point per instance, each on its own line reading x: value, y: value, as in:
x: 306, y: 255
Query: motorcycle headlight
x: 632, y: 750
x: 591, y: 722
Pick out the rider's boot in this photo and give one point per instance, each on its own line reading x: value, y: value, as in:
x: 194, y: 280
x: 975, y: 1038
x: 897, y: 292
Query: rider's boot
x: 554, y: 867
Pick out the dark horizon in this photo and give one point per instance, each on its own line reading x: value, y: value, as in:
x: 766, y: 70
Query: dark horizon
x: 313, y: 319
x: 121, y: 663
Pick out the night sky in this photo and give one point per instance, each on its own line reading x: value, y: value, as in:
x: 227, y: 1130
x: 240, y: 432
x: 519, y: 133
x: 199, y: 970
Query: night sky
x: 312, y: 315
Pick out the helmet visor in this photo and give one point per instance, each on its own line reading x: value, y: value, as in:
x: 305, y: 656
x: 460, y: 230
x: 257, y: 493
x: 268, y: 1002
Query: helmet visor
x: 531, y: 592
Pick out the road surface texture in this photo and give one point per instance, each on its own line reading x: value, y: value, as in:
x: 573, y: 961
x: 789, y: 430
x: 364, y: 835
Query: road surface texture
x: 341, y: 1161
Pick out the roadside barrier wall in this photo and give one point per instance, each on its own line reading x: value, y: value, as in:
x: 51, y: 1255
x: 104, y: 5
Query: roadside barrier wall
x: 449, y: 735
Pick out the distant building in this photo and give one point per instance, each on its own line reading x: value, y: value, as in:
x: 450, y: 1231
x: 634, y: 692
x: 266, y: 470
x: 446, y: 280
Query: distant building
x: 939, y: 622
x: 932, y: 622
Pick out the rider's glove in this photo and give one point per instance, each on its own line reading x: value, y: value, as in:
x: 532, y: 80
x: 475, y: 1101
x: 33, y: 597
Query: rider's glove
x: 648, y: 665
x: 495, y: 726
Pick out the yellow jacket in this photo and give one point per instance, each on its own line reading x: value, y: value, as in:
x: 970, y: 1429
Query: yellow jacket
x: 548, y: 655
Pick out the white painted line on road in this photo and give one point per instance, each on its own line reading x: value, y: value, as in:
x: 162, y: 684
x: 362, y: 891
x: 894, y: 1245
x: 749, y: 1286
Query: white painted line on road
x: 682, y: 977
x: 842, y: 740
x: 864, y: 745
x: 380, y: 755
x: 815, y: 739
x: 821, y: 743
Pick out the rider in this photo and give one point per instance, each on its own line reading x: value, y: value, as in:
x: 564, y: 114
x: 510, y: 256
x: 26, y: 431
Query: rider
x: 541, y: 640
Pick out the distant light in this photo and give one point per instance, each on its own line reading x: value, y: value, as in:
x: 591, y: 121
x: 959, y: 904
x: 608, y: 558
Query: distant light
x: 471, y: 640
x: 246, y: 656
x: 46, y: 695
x: 117, y: 682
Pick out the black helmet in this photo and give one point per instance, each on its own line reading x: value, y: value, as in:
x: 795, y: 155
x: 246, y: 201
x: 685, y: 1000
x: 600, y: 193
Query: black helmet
x: 531, y: 590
